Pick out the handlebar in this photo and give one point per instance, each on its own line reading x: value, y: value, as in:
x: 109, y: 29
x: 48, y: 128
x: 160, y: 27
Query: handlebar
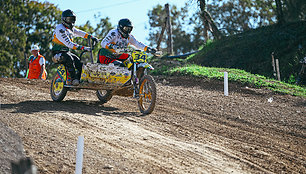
x: 130, y: 50
x: 158, y: 53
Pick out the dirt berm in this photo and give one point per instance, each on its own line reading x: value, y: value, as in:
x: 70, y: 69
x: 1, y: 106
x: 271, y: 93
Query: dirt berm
x: 193, y: 129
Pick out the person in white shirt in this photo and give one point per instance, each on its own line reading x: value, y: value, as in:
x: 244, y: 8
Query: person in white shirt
x: 62, y: 43
x: 37, y: 65
x: 117, y: 39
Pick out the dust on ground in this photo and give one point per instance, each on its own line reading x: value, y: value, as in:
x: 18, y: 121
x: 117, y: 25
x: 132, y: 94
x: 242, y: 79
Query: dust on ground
x: 193, y: 129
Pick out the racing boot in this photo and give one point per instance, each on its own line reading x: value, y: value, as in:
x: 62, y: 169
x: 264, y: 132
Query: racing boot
x: 75, y: 82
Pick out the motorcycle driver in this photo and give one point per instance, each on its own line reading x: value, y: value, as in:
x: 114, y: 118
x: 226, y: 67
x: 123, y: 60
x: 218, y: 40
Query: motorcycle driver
x: 62, y: 43
x: 117, y: 39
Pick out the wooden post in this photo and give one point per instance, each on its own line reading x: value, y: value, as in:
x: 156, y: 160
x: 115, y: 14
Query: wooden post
x: 277, y: 69
x: 169, y: 29
x: 273, y: 64
x: 208, y: 21
x: 161, y: 34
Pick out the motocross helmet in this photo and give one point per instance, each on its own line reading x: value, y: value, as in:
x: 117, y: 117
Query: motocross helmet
x: 125, y: 27
x: 68, y: 18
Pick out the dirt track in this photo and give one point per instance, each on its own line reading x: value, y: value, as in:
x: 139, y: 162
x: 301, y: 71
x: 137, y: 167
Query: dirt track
x: 193, y: 129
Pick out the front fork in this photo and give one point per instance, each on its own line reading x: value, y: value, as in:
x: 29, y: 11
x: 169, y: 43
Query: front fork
x: 137, y: 75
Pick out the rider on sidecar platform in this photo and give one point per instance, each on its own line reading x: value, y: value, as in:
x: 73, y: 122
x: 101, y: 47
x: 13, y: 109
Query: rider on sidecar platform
x: 119, y: 38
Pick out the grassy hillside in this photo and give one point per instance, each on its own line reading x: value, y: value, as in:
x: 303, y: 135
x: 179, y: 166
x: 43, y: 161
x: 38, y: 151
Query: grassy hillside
x: 247, y: 58
x: 251, y: 50
x: 234, y: 75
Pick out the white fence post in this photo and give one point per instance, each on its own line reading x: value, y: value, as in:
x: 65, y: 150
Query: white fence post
x: 79, y: 155
x: 277, y: 70
x: 225, y: 84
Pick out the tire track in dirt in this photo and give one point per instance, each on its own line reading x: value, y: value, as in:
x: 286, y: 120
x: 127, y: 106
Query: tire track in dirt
x: 194, y: 129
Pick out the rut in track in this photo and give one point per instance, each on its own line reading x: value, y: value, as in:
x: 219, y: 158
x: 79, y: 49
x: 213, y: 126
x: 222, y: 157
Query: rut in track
x: 193, y: 129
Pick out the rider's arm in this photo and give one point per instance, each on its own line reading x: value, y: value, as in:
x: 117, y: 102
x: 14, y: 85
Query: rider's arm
x: 62, y: 38
x: 136, y: 43
x: 109, y: 41
x: 42, y: 63
x: 80, y: 33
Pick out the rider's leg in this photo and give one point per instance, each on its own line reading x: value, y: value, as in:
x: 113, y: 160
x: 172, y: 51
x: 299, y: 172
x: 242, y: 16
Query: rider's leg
x: 105, y: 56
x: 118, y: 60
x: 123, y: 57
x: 104, y: 60
x: 69, y: 63
x: 78, y: 65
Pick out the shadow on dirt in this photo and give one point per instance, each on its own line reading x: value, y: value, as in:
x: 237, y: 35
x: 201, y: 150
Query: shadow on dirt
x: 94, y: 108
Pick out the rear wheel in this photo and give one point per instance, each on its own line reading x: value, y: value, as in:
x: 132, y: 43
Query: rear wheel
x: 104, y: 95
x: 57, y: 90
x: 147, y: 94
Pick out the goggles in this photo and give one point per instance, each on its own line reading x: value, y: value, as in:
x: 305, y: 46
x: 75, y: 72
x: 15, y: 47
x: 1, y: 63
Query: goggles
x: 127, y: 29
x: 70, y: 19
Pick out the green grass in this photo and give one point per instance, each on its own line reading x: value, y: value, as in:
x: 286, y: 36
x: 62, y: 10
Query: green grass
x: 234, y: 75
x: 251, y: 50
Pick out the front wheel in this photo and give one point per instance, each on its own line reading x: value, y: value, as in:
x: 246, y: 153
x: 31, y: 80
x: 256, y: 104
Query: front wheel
x: 147, y: 94
x: 104, y: 95
x: 57, y: 89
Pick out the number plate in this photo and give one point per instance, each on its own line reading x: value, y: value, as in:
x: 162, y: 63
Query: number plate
x: 139, y: 57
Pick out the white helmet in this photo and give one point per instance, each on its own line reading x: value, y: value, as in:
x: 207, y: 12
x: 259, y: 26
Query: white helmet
x: 34, y: 47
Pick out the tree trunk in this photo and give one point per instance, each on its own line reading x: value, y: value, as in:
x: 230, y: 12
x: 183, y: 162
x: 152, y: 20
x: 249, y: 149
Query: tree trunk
x: 161, y: 34
x: 208, y: 21
x: 279, y: 12
x: 169, y: 29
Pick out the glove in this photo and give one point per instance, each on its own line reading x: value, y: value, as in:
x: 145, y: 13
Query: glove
x: 57, y: 58
x: 94, y: 39
x: 113, y: 46
x: 87, y: 49
x: 151, y: 50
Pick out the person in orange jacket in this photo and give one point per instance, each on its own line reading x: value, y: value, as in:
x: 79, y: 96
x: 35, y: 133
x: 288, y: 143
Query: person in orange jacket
x: 37, y: 64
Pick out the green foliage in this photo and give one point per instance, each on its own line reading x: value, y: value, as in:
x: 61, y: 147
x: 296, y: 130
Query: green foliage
x: 231, y: 17
x: 26, y: 22
x: 12, y: 37
x: 251, y: 51
x: 23, y: 23
x: 100, y: 31
x: 241, y: 15
x: 294, y: 10
x: 183, y: 41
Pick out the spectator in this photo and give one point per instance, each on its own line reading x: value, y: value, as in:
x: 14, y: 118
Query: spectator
x: 37, y: 64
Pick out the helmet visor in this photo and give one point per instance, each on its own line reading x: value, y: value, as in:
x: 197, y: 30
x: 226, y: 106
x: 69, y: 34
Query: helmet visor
x: 70, y: 19
x: 127, y: 29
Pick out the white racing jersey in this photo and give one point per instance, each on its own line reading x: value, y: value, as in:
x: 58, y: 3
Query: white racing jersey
x: 63, y: 38
x: 114, y: 38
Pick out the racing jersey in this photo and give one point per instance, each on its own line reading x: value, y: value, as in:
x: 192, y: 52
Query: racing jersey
x: 114, y: 38
x: 63, y: 38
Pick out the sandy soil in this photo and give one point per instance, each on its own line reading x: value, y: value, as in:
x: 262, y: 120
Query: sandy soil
x: 193, y: 129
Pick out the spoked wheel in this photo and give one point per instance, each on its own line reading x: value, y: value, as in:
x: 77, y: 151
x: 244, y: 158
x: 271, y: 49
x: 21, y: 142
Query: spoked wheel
x: 147, y: 94
x: 57, y: 90
x: 104, y: 95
